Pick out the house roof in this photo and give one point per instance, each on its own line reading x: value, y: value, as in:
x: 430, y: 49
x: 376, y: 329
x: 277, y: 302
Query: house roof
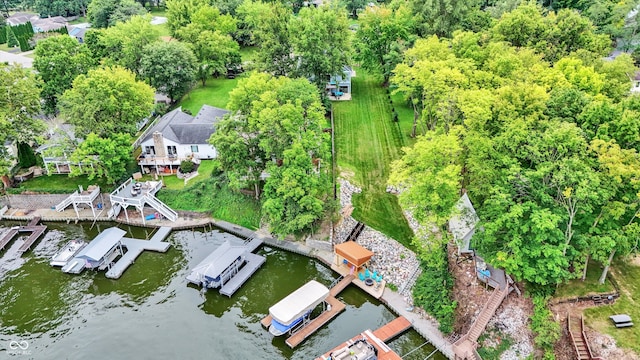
x: 20, y: 18
x: 48, y: 24
x: 102, y: 244
x: 77, y: 32
x: 186, y: 129
x: 354, y: 253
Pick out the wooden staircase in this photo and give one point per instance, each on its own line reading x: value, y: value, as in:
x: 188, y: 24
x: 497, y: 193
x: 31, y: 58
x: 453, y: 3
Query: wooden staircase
x: 465, y: 347
x: 575, y: 327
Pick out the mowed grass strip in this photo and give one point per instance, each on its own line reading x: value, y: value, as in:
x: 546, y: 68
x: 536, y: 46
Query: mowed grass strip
x: 626, y: 275
x: 590, y: 286
x: 214, y: 93
x: 367, y: 141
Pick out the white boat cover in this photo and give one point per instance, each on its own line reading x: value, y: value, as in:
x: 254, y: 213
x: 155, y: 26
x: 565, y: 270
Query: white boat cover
x: 299, y: 302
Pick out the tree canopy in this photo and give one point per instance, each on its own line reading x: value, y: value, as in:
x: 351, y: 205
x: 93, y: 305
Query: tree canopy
x: 531, y: 128
x: 19, y: 106
x: 59, y: 59
x: 276, y: 126
x: 106, y: 101
x: 105, y: 13
x: 174, y: 80
x: 103, y: 157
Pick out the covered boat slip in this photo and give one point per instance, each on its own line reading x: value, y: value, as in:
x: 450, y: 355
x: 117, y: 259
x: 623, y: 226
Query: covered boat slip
x: 293, y: 307
x: 105, y: 248
x: 228, y: 267
x: 100, y: 249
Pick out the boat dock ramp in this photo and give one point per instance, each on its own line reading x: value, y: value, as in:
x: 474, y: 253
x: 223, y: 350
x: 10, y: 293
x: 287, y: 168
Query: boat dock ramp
x: 135, y: 247
x: 32, y: 227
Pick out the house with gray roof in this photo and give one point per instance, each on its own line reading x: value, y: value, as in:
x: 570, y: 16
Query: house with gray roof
x: 178, y: 136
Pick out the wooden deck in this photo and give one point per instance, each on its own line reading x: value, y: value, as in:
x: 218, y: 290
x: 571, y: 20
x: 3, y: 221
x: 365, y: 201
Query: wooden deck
x: 337, y: 307
x: 393, y: 329
x: 266, y: 322
x: 377, y: 339
x: 32, y: 227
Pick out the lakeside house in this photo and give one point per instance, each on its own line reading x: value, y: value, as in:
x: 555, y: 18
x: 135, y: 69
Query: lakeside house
x: 178, y: 136
x: 339, y: 85
x: 39, y: 24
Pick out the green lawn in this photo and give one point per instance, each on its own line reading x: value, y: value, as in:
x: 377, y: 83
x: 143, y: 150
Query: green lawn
x: 173, y: 183
x: 59, y: 184
x: 590, y: 286
x: 163, y: 30
x: 215, y: 93
x: 367, y: 140
x: 206, y: 194
x: 627, y: 276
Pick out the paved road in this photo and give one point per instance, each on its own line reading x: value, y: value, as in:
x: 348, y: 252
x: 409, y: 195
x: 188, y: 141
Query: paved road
x: 26, y: 62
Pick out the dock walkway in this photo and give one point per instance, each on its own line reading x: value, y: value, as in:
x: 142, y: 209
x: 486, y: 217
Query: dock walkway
x: 392, y: 329
x: 32, y: 227
x: 253, y: 263
x: 337, y: 307
x: 135, y: 247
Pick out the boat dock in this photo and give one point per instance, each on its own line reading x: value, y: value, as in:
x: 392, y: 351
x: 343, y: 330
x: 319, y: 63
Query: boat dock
x: 32, y: 227
x: 393, y: 329
x: 252, y: 264
x: 335, y: 307
x: 228, y: 267
x: 135, y: 247
x: 376, y: 339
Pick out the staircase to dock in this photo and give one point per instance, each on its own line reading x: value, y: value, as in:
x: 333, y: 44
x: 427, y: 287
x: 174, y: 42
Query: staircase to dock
x: 465, y: 347
x: 66, y: 202
x: 355, y: 232
x: 161, y: 207
x: 575, y: 327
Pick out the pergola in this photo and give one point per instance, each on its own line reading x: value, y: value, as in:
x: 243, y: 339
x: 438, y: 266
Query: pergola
x: 353, y: 253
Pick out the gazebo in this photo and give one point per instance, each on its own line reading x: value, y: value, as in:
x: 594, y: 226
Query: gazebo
x: 352, y: 254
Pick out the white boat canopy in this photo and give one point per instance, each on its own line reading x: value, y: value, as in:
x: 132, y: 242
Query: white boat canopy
x: 299, y: 302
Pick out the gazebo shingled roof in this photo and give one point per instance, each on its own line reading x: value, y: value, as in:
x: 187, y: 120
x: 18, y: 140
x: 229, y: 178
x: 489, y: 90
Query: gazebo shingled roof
x: 354, y: 253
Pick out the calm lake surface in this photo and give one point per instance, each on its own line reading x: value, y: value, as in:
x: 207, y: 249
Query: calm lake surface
x: 151, y: 312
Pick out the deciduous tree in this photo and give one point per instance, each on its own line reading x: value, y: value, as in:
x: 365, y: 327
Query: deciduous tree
x: 106, y: 101
x: 170, y: 67
x: 105, y: 158
x: 59, y: 60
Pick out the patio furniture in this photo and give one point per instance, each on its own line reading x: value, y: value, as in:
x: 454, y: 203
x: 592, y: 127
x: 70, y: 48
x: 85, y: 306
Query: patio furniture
x: 361, y: 276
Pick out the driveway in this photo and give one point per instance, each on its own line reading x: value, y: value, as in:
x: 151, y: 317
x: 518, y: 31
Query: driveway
x: 26, y: 62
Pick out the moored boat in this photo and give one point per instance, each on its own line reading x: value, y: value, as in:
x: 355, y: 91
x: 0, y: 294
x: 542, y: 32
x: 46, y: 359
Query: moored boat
x: 62, y: 257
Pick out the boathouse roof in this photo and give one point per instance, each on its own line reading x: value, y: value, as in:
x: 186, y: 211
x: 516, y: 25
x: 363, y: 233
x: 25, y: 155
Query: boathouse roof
x: 219, y: 260
x: 102, y: 244
x: 299, y: 302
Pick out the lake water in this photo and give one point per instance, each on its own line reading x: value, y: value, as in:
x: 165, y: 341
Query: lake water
x: 151, y: 312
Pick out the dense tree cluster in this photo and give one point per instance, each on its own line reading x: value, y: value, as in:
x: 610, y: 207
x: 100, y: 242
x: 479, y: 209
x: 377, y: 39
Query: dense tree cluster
x: 275, y: 133
x: 544, y: 139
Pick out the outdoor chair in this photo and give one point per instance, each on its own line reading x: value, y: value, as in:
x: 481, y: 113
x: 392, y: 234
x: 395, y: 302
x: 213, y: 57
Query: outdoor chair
x: 361, y: 276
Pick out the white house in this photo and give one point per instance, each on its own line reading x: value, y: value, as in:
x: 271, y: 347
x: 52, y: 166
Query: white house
x: 178, y: 136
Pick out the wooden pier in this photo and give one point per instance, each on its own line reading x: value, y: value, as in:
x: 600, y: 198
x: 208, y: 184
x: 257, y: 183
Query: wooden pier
x: 32, y: 227
x: 299, y: 336
x: 393, y: 329
x: 377, y: 338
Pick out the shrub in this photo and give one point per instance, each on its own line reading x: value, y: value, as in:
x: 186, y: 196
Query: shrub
x: 187, y: 166
x: 546, y: 330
